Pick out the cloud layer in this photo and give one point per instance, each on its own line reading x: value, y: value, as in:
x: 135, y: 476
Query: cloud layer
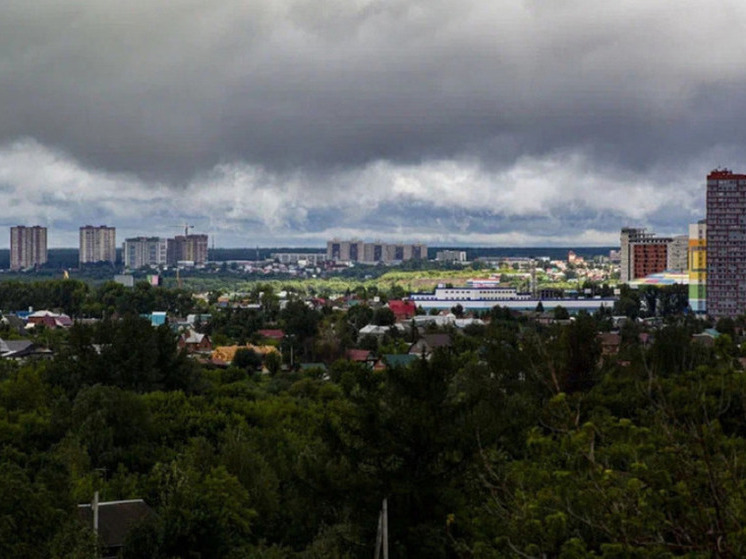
x: 449, y: 122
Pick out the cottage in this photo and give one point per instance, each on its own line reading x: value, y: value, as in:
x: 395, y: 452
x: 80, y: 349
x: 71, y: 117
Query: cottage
x: 359, y: 355
x: 272, y: 334
x: 428, y: 343
x: 49, y: 319
x: 194, y: 342
x: 394, y: 360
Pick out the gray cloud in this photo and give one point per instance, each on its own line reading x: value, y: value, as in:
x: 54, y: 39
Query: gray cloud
x: 521, y: 118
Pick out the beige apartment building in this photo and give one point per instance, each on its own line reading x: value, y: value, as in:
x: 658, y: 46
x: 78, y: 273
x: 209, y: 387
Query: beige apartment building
x: 359, y: 251
x: 28, y: 247
x: 188, y: 248
x: 97, y: 244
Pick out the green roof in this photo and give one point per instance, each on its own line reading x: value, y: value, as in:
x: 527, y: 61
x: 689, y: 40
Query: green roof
x: 399, y: 359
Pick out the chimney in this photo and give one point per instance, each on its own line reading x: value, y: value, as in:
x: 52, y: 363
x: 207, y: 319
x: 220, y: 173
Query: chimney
x: 94, y: 508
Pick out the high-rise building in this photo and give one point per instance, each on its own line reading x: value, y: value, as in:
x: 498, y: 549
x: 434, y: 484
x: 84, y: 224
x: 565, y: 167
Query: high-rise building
x: 345, y: 251
x: 374, y: 252
x: 677, y: 257
x: 649, y: 258
x: 358, y: 251
x: 144, y: 251
x: 188, y: 248
x: 698, y: 267
x: 643, y: 253
x: 726, y: 243
x: 28, y: 247
x: 629, y: 236
x: 97, y: 244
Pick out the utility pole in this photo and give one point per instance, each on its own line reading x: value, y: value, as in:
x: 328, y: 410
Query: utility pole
x: 382, y: 535
x: 385, y: 514
x: 534, y: 290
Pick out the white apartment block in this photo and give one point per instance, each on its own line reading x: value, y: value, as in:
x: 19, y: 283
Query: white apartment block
x: 145, y: 251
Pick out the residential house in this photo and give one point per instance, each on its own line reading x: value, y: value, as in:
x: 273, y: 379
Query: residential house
x: 194, y: 342
x: 158, y: 318
x: 49, y: 319
x: 16, y: 349
x: 223, y: 355
x: 610, y: 343
x: 428, y: 343
x: 360, y: 356
x: 379, y: 331
x: 394, y: 360
x: 272, y: 334
x: 113, y: 520
x: 403, y: 310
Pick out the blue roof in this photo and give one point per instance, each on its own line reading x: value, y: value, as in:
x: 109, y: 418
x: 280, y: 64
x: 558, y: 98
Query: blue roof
x: 158, y: 318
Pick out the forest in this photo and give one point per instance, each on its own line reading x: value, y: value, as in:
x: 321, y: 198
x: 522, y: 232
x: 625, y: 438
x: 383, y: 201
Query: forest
x: 522, y: 438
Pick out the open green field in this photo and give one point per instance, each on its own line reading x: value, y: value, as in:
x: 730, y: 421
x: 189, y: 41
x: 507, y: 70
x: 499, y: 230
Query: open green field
x: 409, y: 281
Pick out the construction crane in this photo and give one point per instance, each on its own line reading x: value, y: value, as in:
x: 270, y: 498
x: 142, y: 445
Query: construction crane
x: 186, y: 227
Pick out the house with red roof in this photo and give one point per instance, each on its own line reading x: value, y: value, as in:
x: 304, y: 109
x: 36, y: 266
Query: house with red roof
x: 360, y: 356
x: 50, y: 319
x: 194, y: 342
x: 272, y: 334
x: 403, y: 310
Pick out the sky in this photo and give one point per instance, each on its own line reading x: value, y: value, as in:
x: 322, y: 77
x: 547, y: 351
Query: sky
x: 291, y: 122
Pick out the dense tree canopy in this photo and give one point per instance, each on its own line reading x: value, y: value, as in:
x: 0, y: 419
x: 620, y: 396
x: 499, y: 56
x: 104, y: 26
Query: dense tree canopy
x: 519, y: 439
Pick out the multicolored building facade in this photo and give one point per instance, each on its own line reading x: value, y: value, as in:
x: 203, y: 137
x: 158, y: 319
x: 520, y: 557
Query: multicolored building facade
x: 698, y: 267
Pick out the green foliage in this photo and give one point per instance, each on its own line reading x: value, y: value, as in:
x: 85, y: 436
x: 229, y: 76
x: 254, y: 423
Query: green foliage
x: 273, y: 362
x: 383, y: 316
x: 128, y: 353
x: 560, y: 313
x: 521, y: 440
x: 247, y: 359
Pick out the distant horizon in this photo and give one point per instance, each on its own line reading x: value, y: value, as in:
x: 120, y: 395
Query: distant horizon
x: 444, y: 247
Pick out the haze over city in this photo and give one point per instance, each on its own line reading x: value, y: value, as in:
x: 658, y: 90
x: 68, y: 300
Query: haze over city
x: 292, y: 122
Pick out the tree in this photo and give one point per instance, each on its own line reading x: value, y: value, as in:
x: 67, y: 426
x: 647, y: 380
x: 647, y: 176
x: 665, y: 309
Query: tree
x: 301, y: 323
x: 247, y: 359
x: 384, y: 316
x: 273, y: 362
x: 359, y: 316
x: 406, y: 437
x: 578, y: 351
x: 560, y: 313
x: 110, y: 423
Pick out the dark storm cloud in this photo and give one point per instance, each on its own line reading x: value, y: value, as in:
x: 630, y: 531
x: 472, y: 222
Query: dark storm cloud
x: 168, y: 89
x: 461, y: 120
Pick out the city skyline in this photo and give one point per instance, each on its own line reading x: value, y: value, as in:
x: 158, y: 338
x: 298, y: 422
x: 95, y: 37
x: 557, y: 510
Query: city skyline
x: 453, y: 123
